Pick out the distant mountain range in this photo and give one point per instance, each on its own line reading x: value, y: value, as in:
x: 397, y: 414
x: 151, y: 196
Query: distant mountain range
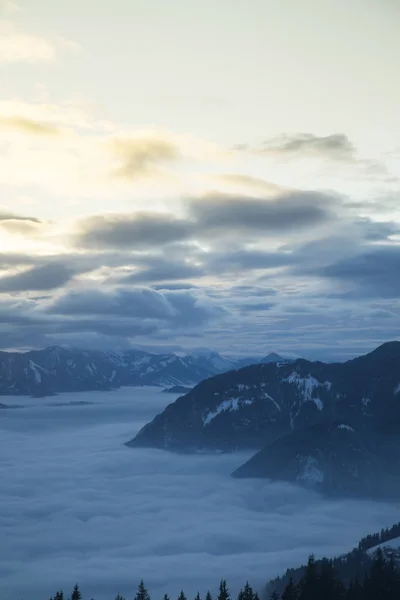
x: 335, y: 427
x: 56, y: 369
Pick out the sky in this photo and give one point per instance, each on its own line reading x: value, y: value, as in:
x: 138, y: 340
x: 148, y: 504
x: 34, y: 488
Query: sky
x: 78, y: 505
x: 183, y: 174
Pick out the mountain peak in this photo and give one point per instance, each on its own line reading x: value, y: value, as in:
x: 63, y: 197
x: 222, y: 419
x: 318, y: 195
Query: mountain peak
x: 388, y: 348
x: 272, y: 357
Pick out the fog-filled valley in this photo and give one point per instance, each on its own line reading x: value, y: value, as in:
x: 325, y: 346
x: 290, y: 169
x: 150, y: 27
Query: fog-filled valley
x: 78, y: 505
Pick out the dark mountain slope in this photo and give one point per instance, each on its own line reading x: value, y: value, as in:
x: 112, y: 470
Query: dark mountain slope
x: 256, y: 405
x: 332, y: 459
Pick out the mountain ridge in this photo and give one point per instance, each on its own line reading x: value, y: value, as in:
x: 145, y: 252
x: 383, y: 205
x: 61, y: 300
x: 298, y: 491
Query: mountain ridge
x: 281, y: 397
x: 58, y: 369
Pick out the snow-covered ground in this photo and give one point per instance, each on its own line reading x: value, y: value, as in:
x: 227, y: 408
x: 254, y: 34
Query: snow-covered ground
x: 393, y: 544
x: 78, y: 505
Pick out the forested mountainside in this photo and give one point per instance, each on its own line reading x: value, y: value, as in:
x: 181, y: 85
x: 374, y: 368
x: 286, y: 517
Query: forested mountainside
x: 358, y: 575
x: 335, y: 427
x: 376, y: 555
x: 253, y: 406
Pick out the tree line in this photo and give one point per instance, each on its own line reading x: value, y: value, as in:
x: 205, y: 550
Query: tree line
x: 320, y: 581
x: 384, y: 535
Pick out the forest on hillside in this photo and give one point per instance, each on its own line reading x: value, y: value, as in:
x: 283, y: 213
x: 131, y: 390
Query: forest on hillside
x: 381, y: 581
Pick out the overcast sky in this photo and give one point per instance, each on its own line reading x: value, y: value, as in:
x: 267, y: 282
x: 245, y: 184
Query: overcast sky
x: 182, y: 174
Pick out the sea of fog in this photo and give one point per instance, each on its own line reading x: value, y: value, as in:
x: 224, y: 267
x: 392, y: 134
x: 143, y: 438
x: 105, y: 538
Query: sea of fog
x: 76, y: 505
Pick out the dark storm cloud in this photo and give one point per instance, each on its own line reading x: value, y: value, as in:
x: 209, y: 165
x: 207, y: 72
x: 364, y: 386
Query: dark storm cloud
x: 43, y: 277
x: 374, y: 272
x: 133, y: 231
x: 337, y: 145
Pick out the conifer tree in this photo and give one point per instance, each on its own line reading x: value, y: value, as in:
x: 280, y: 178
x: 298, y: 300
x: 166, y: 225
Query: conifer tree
x: 165, y: 597
x: 182, y: 596
x: 308, y: 585
x: 197, y: 597
x: 291, y: 591
x: 119, y: 597
x: 142, y: 593
x: 248, y: 593
x: 76, y: 594
x: 209, y: 596
x: 223, y: 591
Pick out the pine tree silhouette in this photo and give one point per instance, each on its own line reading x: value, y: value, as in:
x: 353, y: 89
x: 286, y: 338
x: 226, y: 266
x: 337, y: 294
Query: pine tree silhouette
x: 291, y: 591
x: 76, y: 594
x: 142, y: 593
x: 223, y: 591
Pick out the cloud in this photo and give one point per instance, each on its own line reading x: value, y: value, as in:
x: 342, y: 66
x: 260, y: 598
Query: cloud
x: 7, y: 216
x: 8, y: 6
x: 19, y: 224
x: 29, y: 126
x: 289, y: 211
x: 8, y: 259
x: 244, y: 260
x: 17, y: 46
x: 43, y: 277
x: 252, y: 185
x: 164, y: 270
x: 180, y: 308
x: 335, y: 146
x: 138, y: 303
x: 139, y: 156
x: 177, y: 521
x: 209, y: 217
x: 134, y: 231
x: 374, y: 272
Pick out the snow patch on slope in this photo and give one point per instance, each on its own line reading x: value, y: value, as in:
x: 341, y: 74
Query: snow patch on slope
x: 307, y: 385
x: 225, y: 406
x: 346, y: 427
x: 310, y: 473
x: 266, y: 396
x: 393, y: 544
x: 36, y: 373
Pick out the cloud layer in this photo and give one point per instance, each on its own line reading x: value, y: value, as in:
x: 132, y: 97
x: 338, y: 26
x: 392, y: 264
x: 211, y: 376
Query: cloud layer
x: 99, y: 216
x: 79, y: 506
